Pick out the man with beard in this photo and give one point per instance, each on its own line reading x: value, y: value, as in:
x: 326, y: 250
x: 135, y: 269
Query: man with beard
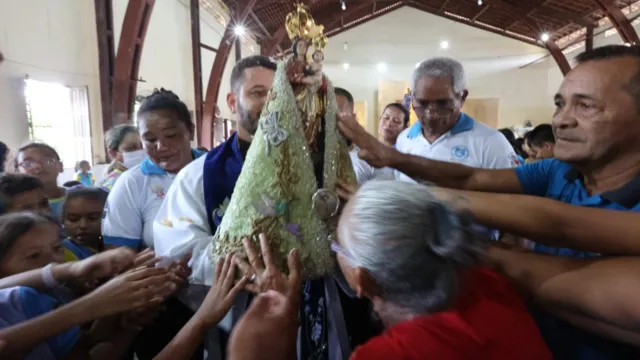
x: 184, y: 224
x: 443, y: 131
x: 195, y: 204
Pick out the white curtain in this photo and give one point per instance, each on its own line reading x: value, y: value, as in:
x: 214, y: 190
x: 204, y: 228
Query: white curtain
x: 79, y: 99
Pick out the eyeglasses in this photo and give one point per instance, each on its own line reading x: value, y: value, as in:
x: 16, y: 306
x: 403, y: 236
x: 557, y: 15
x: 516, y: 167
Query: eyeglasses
x: 32, y: 164
x: 438, y: 107
x: 336, y: 248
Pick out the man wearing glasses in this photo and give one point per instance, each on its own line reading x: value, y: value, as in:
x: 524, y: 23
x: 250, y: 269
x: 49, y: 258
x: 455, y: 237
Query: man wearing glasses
x: 443, y: 131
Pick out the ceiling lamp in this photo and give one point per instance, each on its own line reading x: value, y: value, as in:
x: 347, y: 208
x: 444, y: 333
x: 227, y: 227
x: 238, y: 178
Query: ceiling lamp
x: 382, y: 67
x: 479, y: 2
x: 444, y: 44
x: 544, y: 37
x: 343, y: 5
x: 345, y: 66
x: 239, y: 30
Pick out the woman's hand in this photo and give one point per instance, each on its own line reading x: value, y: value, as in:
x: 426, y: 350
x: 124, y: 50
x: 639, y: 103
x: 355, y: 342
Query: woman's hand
x: 102, y: 266
x: 146, y: 257
x: 138, y: 288
x: 267, y: 274
x: 346, y: 190
x: 372, y: 151
x: 222, y: 294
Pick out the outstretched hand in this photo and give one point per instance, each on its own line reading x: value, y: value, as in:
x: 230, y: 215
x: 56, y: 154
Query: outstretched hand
x: 346, y: 190
x: 372, y: 151
x: 267, y: 275
x: 103, y: 265
x: 222, y: 294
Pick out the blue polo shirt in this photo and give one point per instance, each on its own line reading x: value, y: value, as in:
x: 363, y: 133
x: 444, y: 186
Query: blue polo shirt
x: 557, y: 180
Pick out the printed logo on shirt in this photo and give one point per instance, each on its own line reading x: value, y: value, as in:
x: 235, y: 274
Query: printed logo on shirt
x: 158, y: 190
x: 460, y: 152
x: 514, y: 159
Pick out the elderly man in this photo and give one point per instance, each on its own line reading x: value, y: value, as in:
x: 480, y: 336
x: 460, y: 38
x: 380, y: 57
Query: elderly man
x: 597, y: 160
x: 443, y: 131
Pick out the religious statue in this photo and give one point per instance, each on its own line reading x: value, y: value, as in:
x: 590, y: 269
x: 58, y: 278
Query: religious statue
x: 286, y: 189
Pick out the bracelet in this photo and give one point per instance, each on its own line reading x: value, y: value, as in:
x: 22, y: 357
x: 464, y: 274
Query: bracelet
x: 47, y: 277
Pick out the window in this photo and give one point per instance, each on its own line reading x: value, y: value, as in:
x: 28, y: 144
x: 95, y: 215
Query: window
x: 59, y: 116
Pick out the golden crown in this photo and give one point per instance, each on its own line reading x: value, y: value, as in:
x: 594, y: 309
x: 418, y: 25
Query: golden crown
x: 300, y: 25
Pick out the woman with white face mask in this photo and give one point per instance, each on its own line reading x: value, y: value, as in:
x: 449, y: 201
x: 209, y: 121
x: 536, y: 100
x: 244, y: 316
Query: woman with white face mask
x: 125, y: 151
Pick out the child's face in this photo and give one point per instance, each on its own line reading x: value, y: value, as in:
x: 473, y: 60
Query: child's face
x: 40, y: 163
x: 82, y: 219
x: 37, y: 248
x: 33, y: 200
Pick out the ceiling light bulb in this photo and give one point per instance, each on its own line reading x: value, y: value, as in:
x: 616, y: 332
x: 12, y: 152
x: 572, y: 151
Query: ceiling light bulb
x: 479, y: 2
x: 343, y: 5
x: 382, y: 67
x: 544, y: 37
x: 444, y: 44
x: 239, y: 30
x: 627, y: 44
x: 345, y: 66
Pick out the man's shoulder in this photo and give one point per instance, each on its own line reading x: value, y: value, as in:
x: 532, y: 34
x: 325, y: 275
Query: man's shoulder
x: 485, y: 132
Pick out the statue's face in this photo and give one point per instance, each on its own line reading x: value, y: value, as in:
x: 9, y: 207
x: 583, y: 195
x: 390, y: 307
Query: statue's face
x: 301, y: 47
x: 318, y: 56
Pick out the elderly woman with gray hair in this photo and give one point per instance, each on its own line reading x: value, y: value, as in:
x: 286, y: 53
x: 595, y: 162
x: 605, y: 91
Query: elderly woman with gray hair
x: 417, y: 259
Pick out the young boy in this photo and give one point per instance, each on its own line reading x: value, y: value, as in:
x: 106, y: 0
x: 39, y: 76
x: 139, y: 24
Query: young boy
x: 42, y: 161
x: 81, y: 218
x: 21, y: 192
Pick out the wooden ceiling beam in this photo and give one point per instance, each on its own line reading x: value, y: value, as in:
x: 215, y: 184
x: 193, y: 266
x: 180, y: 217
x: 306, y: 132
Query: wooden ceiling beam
x: 443, y: 6
x: 484, y: 8
x: 619, y: 21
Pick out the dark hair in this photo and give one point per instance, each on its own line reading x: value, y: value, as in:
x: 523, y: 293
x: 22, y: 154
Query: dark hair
x: 237, y: 74
x: 114, y: 136
x: 12, y: 185
x: 15, y: 225
x: 405, y: 112
x: 294, y: 45
x: 4, y: 151
x: 163, y: 99
x: 613, y: 52
x: 519, y: 148
x: 508, y: 133
x: 541, y: 134
x: 343, y: 92
x: 36, y: 145
x: 71, y: 183
x: 83, y: 192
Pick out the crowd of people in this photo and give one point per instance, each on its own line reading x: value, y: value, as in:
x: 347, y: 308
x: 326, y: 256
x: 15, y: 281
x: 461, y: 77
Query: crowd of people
x: 458, y: 241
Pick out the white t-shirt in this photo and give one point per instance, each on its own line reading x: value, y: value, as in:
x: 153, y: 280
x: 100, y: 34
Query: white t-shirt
x: 181, y: 226
x: 365, y: 172
x: 469, y: 142
x: 132, y: 206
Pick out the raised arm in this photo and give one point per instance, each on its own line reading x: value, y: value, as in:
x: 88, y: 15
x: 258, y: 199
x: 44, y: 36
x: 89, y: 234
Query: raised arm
x: 442, y: 173
x: 553, y: 223
x: 599, y: 295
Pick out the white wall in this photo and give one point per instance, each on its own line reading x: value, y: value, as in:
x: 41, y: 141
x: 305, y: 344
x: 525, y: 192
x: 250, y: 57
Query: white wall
x: 56, y: 41
x: 47, y: 40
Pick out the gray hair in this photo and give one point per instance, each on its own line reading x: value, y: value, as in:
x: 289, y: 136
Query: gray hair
x: 411, y: 243
x: 441, y: 67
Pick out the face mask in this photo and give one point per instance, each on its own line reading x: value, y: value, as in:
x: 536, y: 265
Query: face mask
x: 133, y: 158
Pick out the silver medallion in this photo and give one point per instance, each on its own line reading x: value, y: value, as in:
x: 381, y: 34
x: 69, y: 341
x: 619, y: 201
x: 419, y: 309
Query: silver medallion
x: 326, y: 203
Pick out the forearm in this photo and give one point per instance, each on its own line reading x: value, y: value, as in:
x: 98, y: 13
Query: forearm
x: 26, y: 335
x: 455, y: 176
x: 601, y: 328
x: 604, y: 290
x: 33, y: 278
x: 553, y: 223
x: 186, y: 341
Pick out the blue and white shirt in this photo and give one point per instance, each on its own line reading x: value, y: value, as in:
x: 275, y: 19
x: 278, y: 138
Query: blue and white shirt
x: 469, y: 142
x: 19, y: 304
x: 133, y: 203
